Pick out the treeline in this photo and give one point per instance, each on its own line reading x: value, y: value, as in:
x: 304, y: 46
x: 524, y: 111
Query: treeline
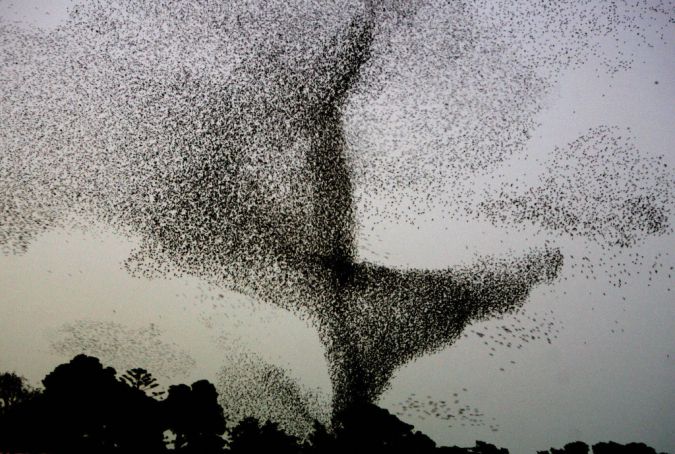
x: 85, y: 407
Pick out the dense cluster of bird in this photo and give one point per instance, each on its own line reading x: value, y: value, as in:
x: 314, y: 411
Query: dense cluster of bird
x: 250, y: 386
x: 124, y: 348
x: 244, y: 142
x: 598, y: 187
x: 478, y: 86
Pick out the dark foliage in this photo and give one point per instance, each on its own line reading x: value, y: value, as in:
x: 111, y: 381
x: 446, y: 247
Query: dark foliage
x: 141, y: 379
x: 249, y: 436
x: 374, y: 429
x: 195, y: 417
x: 480, y: 448
x: 85, y: 408
x: 577, y: 447
x: 13, y: 391
x: 611, y: 447
x: 18, y: 406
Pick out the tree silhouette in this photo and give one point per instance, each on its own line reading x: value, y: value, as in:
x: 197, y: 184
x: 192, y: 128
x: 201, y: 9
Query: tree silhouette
x: 320, y: 439
x: 369, y: 428
x: 611, y: 447
x: 142, y: 380
x: 577, y: 447
x: 20, y: 414
x: 249, y: 436
x: 13, y: 391
x: 481, y: 447
x: 487, y: 448
x: 195, y: 417
x: 89, y: 410
x: 84, y: 409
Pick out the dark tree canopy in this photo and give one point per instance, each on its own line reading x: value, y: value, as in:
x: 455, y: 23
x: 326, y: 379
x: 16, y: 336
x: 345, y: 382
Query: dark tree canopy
x: 251, y: 436
x: 195, y: 417
x: 13, y: 390
x: 374, y: 429
x: 577, y: 447
x: 91, y: 410
x: 84, y: 408
x: 143, y: 380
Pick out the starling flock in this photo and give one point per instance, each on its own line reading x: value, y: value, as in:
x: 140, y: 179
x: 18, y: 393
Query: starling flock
x: 248, y: 142
x: 124, y: 348
x: 453, y: 411
x: 250, y: 386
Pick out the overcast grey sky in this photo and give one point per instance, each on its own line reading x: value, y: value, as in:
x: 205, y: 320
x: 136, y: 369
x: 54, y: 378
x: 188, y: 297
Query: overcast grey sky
x: 609, y: 375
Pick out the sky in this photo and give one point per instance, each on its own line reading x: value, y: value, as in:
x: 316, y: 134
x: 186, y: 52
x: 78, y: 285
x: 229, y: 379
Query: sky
x: 606, y: 374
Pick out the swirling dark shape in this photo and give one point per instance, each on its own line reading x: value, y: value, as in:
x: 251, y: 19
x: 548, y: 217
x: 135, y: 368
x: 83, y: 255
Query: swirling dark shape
x: 255, y: 194
x: 372, y: 319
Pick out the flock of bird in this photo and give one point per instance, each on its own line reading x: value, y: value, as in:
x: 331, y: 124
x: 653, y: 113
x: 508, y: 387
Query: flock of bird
x: 249, y: 386
x: 453, y: 411
x: 523, y: 328
x: 124, y: 348
x: 248, y: 142
x: 598, y: 187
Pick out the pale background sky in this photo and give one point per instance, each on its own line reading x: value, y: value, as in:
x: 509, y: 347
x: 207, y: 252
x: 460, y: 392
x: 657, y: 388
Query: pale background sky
x: 610, y: 375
